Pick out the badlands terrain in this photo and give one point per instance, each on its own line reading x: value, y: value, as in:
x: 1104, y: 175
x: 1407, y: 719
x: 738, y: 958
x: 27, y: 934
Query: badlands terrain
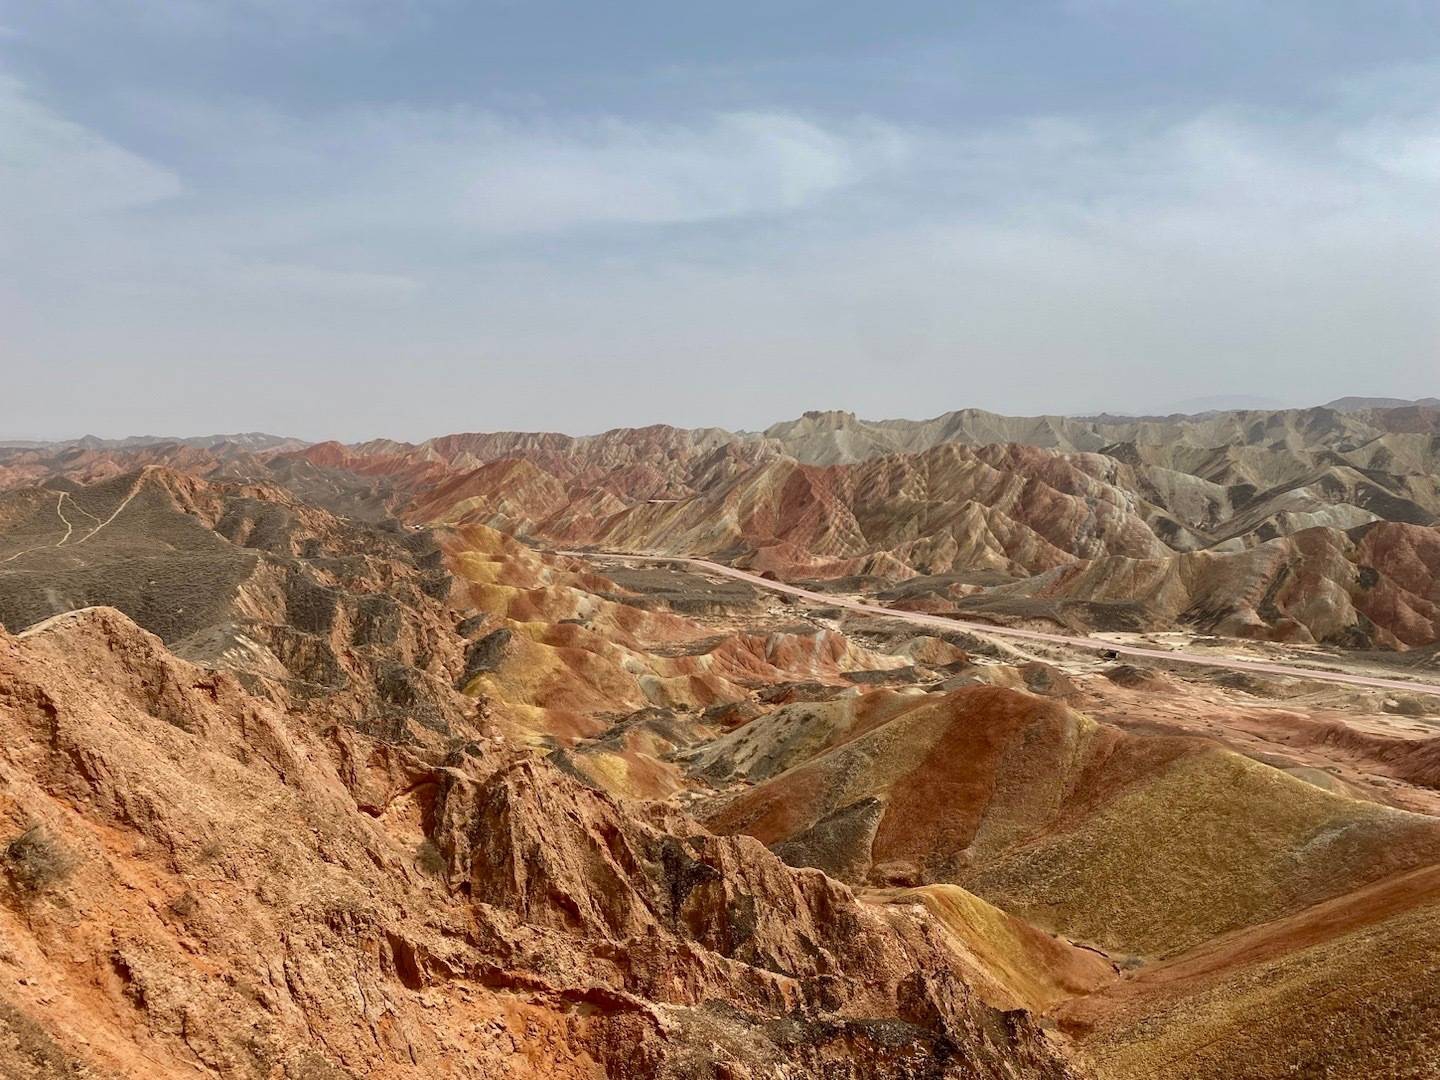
x: 978, y: 746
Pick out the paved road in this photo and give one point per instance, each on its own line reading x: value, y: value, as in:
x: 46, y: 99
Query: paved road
x: 1089, y: 643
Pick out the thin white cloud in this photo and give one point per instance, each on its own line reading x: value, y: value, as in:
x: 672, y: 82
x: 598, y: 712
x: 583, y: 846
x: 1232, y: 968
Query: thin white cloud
x: 480, y: 172
x: 734, y: 165
x: 50, y: 165
x: 1408, y: 147
x: 257, y: 18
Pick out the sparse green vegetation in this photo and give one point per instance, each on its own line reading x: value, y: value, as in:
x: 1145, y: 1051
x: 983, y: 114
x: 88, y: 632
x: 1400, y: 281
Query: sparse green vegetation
x: 211, y: 850
x: 35, y: 862
x: 429, y: 858
x: 32, y: 1048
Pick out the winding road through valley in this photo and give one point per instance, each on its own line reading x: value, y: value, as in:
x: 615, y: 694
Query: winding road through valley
x: 1090, y: 644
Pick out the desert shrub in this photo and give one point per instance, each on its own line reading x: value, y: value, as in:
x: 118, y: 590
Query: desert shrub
x: 1406, y: 705
x: 31, y: 1050
x: 314, y: 1067
x: 429, y: 857
x: 211, y: 850
x: 35, y: 862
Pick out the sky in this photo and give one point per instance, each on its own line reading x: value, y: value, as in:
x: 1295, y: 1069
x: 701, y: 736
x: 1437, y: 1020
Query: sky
x: 362, y: 218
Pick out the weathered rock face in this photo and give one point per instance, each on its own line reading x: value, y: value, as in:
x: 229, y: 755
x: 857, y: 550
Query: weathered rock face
x: 1045, y: 813
x: 303, y: 606
x: 1295, y: 526
x: 1376, y: 586
x: 198, y: 882
x: 484, y: 656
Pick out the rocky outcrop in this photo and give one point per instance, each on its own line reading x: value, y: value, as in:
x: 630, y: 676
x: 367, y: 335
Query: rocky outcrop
x: 1377, y: 586
x: 1044, y: 812
x: 303, y: 606
x: 240, y: 890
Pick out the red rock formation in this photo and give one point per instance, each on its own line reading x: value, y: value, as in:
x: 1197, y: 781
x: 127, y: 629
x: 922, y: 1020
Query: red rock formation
x: 199, y: 881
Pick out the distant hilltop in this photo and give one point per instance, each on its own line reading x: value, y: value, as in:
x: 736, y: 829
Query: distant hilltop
x: 1360, y: 404
x: 247, y: 440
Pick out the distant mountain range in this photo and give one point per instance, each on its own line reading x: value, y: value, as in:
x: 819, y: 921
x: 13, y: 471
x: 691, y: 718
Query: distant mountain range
x: 1216, y: 520
x: 1359, y: 404
x: 249, y: 440
x: 1191, y: 408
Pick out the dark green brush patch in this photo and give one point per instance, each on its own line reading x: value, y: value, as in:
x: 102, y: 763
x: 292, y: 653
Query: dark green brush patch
x: 35, y: 863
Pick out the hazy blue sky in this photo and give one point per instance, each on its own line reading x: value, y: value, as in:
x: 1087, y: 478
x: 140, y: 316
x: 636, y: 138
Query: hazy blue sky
x: 349, y: 218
